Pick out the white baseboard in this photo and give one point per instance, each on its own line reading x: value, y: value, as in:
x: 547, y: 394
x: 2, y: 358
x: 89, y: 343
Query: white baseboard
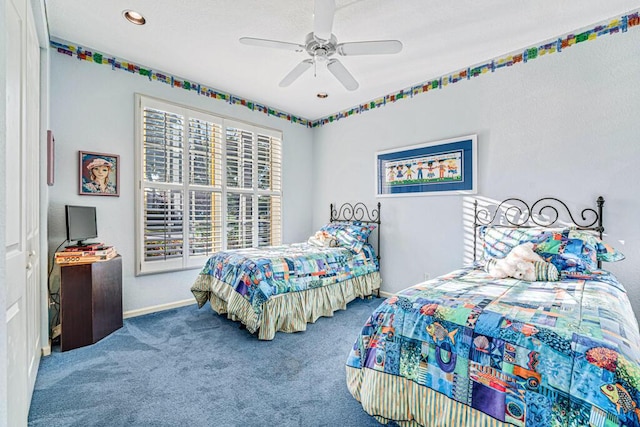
x: 46, y: 350
x: 384, y: 294
x: 156, y: 308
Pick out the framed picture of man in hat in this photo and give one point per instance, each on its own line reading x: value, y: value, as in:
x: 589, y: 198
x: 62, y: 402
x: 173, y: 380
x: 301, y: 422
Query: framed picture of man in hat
x: 99, y: 174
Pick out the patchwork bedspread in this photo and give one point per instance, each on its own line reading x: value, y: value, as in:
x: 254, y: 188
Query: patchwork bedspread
x: 261, y: 273
x: 527, y: 354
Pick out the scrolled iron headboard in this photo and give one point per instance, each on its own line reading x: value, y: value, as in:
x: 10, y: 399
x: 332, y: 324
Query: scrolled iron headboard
x: 357, y: 212
x: 530, y: 216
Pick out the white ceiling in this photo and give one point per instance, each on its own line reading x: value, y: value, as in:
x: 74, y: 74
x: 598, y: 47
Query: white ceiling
x: 198, y: 40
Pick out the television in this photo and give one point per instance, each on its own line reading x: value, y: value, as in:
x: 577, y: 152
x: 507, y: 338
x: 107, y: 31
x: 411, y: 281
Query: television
x: 81, y: 224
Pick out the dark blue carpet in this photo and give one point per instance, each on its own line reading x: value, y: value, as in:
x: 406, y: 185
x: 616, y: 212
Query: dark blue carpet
x: 190, y: 367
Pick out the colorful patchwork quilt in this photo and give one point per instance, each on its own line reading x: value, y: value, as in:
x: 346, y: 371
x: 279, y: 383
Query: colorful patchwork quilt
x: 260, y: 273
x: 517, y: 353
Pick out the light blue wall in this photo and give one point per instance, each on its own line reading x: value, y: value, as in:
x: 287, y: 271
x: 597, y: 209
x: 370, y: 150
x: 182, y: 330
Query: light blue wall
x: 92, y: 109
x: 564, y: 125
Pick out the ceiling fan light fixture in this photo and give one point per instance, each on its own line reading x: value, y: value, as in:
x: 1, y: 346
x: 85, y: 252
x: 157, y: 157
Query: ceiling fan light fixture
x: 321, y: 45
x: 134, y: 17
x: 322, y: 95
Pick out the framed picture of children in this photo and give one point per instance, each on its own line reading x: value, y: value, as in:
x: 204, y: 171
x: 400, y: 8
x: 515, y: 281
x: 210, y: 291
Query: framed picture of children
x: 448, y: 166
x: 99, y: 174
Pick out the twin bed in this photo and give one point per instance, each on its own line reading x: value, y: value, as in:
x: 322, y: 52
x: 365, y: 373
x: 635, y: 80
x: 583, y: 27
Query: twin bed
x: 282, y: 288
x: 464, y: 348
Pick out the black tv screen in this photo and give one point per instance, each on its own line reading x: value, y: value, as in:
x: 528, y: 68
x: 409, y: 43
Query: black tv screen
x: 81, y: 223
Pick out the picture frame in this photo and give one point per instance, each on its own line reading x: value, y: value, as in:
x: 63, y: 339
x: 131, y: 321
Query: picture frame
x: 443, y: 167
x: 99, y: 174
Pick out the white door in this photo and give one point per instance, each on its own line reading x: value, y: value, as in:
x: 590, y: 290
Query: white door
x: 32, y: 195
x: 16, y: 261
x: 22, y: 195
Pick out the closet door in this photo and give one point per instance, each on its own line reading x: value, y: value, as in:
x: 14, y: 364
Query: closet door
x: 32, y: 217
x: 21, y: 208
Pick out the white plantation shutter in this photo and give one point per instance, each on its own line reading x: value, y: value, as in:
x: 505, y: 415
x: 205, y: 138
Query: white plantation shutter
x: 163, y: 146
x: 269, y: 214
x: 239, y: 158
x: 205, y: 222
x: 205, y: 153
x: 180, y: 190
x: 239, y: 165
x: 269, y: 161
x: 162, y: 154
x: 163, y: 232
x: 239, y: 221
x: 254, y: 194
x: 205, y: 184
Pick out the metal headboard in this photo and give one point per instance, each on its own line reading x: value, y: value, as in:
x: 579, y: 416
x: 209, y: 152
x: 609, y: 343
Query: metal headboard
x: 518, y: 214
x: 357, y: 212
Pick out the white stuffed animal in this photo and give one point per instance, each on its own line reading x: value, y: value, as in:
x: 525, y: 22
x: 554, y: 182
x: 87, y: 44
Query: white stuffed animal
x: 518, y: 263
x: 524, y: 252
x: 323, y: 240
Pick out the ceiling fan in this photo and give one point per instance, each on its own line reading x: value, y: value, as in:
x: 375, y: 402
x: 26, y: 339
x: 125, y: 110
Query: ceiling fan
x: 321, y: 45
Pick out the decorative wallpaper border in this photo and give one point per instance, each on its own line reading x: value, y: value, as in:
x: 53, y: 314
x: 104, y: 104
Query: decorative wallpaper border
x: 84, y: 54
x: 614, y: 26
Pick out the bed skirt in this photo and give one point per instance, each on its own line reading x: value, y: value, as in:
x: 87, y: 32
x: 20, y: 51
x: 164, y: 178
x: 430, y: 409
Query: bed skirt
x: 390, y: 397
x: 288, y: 312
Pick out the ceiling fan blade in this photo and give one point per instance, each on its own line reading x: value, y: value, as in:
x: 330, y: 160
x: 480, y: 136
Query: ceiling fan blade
x: 379, y: 47
x: 323, y: 13
x: 271, y: 43
x: 342, y: 74
x: 296, y: 72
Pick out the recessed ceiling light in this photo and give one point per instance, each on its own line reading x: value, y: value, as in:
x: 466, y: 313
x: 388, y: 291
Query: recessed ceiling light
x: 322, y: 95
x: 134, y: 17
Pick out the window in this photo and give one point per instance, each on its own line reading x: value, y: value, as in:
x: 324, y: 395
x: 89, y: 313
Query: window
x: 205, y: 184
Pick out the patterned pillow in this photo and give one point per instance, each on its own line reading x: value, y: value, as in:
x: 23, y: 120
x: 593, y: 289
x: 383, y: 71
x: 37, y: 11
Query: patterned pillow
x: 351, y: 235
x: 578, y: 250
x: 568, y: 253
x: 604, y: 252
x: 498, y: 241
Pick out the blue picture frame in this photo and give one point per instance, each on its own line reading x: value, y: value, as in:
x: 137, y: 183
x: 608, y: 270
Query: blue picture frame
x: 442, y: 167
